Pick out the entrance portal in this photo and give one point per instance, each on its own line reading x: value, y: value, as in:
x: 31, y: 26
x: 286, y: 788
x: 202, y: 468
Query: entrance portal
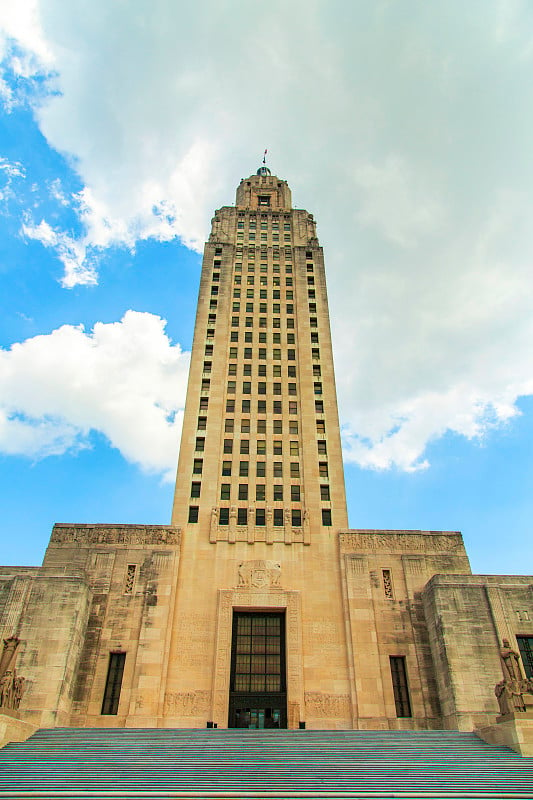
x: 258, y: 694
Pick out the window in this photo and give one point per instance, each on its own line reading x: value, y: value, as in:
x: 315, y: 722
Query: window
x: 296, y: 516
x: 262, y: 353
x: 262, y: 294
x: 275, y: 308
x: 320, y: 426
x: 317, y: 387
x: 113, y: 683
x: 295, y: 449
x: 259, y: 516
x: 290, y: 308
x: 245, y: 406
x: 315, y: 352
x: 245, y: 426
x: 260, y: 469
x: 276, y: 407
x: 293, y: 407
x: 262, y: 308
x: 278, y: 469
x: 276, y: 338
x: 314, y: 338
x: 276, y: 388
x: 209, y: 350
x: 243, y: 469
x: 276, y: 354
x: 276, y: 322
x: 261, y: 387
x: 291, y: 371
x: 243, y: 491
x: 278, y: 491
x: 323, y: 469
x: 326, y: 516
x: 225, y: 489
x: 233, y: 352
x: 245, y: 446
x: 204, y: 403
x: 249, y: 308
x: 248, y: 336
x: 193, y: 514
x: 206, y: 383
x: 295, y: 469
x: 525, y: 645
x: 316, y: 370
x: 211, y: 319
x: 312, y: 308
x: 230, y: 406
x: 234, y: 336
x: 249, y: 322
x: 228, y: 445
x: 246, y: 387
x: 292, y: 388
x: 322, y: 449
x: 242, y: 516
x: 200, y: 444
x: 261, y: 406
x: 202, y: 423
x: 261, y: 447
x: 278, y: 517
x: 289, y: 294
x: 226, y: 468
x: 278, y: 448
x: 291, y: 355
x: 260, y: 491
x: 195, y: 488
x: 290, y: 338
x: 319, y: 406
x: 247, y: 352
x: 236, y: 307
x: 247, y: 369
x: 387, y: 584
x: 293, y: 428
x: 324, y: 491
x: 262, y: 322
x: 231, y: 387
x: 223, y: 516
x: 235, y: 322
x: 263, y: 200
x: 278, y: 426
x: 198, y: 465
x: 250, y: 293
x: 213, y: 304
x: 276, y: 370
x: 229, y: 425
x: 295, y: 493
x: 232, y: 369
x: 399, y: 685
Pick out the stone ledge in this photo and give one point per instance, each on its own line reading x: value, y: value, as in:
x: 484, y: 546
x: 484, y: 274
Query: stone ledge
x: 512, y: 730
x: 13, y: 729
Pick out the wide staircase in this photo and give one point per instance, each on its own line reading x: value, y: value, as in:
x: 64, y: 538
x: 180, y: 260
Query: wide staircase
x: 162, y: 763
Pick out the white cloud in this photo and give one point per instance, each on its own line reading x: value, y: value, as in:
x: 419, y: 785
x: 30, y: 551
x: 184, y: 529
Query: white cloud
x: 124, y: 379
x: 405, y: 127
x: 73, y: 253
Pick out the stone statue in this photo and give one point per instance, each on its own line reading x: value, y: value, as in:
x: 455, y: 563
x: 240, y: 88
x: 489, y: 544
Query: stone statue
x: 510, y: 697
x: 8, y: 654
x: 510, y: 659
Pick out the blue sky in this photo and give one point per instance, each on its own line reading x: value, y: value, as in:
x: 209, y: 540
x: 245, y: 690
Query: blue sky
x: 406, y: 131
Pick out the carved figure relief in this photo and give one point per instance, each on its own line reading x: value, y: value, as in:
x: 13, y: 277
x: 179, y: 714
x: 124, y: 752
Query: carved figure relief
x: 327, y: 705
x: 119, y: 534
x: 11, y: 684
x: 514, y: 693
x: 187, y: 704
x: 258, y: 574
x: 399, y: 542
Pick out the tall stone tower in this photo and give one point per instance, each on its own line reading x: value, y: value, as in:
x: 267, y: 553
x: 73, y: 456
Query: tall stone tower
x: 260, y: 486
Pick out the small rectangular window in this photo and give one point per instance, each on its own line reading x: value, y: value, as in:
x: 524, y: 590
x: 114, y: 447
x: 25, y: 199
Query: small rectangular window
x: 319, y: 406
x: 225, y: 490
x: 291, y: 355
x: 206, y: 383
x: 261, y: 447
x: 293, y: 427
x: 228, y: 446
x: 278, y: 517
x: 243, y: 469
x: 294, y: 448
x: 295, y: 469
x: 322, y: 449
x: 295, y: 493
x: 324, y: 492
x: 293, y: 407
x: 243, y: 491
x: 261, y: 387
x: 260, y: 491
x: 276, y: 388
x: 261, y: 406
x: 278, y: 426
x: 317, y: 387
x: 242, y: 516
x: 223, y: 516
x: 245, y: 406
x: 229, y: 425
x: 230, y: 406
x: 292, y: 388
x: 246, y: 387
x: 198, y: 466
x: 278, y: 469
x: 259, y: 516
x: 232, y: 386
x: 260, y: 469
x: 296, y: 516
x: 278, y: 491
x: 323, y: 469
x: 245, y: 446
x: 202, y: 423
x: 113, y: 683
x: 193, y: 514
x: 276, y: 407
x: 326, y: 516
x: 291, y: 371
x: 204, y: 403
x: 226, y: 468
x: 278, y: 448
x: 234, y: 336
x: 195, y: 488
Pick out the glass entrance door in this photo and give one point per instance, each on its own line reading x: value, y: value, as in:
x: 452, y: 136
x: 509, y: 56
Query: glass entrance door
x: 258, y: 696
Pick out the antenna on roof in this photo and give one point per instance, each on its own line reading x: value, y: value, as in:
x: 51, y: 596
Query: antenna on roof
x: 264, y: 156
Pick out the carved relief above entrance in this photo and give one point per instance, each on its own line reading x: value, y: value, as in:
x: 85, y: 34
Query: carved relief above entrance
x: 258, y: 574
x: 250, y: 598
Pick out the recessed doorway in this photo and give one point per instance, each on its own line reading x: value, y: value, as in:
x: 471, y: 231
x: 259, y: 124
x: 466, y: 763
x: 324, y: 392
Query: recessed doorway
x: 258, y: 694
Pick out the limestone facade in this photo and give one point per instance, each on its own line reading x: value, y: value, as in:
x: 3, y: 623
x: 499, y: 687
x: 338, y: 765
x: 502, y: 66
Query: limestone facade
x: 382, y: 628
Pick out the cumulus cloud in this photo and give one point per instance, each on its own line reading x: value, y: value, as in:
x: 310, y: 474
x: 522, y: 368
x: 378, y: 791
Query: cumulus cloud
x: 405, y: 127
x: 124, y: 379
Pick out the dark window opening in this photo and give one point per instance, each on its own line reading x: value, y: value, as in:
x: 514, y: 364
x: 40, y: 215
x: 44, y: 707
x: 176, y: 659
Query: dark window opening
x: 113, y: 683
x: 399, y: 685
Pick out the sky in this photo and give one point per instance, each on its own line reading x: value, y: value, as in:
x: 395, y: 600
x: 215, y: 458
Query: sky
x: 404, y: 127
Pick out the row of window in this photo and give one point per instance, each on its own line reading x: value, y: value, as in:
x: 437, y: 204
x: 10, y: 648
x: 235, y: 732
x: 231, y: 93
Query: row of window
x: 263, y: 281
x: 263, y: 224
x: 263, y: 237
x: 261, y: 446
x: 261, y: 425
x: 259, y: 517
x: 231, y: 387
x: 263, y: 308
x: 262, y: 337
x: 263, y: 293
x: 263, y: 323
x: 277, y: 406
x: 244, y: 491
x: 260, y: 468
